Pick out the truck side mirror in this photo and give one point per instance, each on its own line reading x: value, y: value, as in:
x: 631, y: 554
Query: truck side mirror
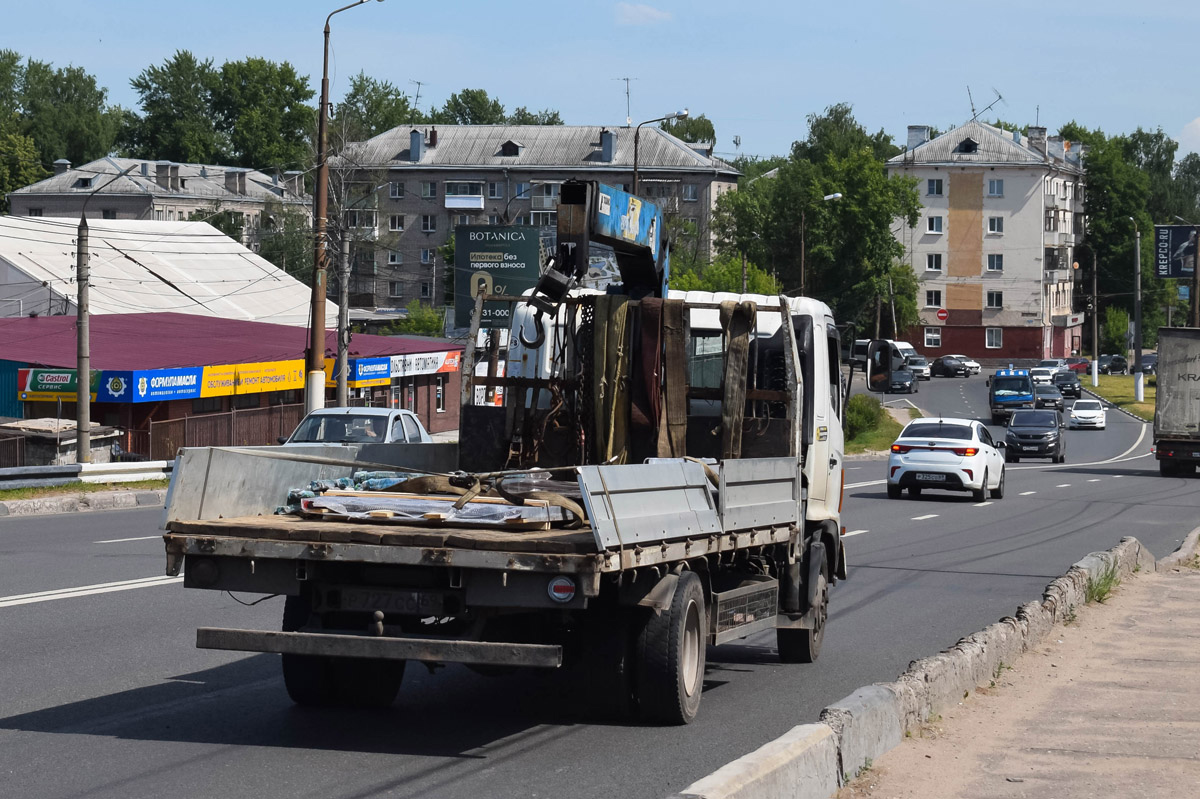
x: 879, y: 366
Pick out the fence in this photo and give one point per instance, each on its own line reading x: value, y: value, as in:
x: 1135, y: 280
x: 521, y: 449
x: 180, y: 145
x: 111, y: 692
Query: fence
x: 12, y: 451
x: 245, y: 428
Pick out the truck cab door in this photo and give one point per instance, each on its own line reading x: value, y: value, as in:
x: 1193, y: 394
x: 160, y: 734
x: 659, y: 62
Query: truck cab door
x: 825, y: 476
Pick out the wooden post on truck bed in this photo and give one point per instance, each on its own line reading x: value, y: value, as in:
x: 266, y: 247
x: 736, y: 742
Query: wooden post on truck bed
x: 467, y: 368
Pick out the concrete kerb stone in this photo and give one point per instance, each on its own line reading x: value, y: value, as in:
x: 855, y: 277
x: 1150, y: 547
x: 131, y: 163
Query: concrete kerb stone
x: 71, y: 503
x: 1185, y: 551
x: 867, y: 724
x: 800, y: 764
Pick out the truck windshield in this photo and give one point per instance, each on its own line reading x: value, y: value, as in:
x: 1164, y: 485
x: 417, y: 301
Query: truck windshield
x: 1011, y: 386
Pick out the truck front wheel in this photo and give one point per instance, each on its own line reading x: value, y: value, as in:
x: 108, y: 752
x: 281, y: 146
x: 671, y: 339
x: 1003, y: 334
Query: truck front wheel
x: 803, y: 646
x: 670, y: 650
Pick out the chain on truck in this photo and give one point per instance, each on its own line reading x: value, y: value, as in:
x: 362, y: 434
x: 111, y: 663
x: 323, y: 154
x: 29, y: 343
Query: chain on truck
x: 665, y: 473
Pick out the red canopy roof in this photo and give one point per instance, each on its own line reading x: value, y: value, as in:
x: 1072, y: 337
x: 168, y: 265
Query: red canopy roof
x: 166, y: 340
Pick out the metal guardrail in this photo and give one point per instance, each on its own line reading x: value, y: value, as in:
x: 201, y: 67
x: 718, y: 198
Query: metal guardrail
x: 41, y: 476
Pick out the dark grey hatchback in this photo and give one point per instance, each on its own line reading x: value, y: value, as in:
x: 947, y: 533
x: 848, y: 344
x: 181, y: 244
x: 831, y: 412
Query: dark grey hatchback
x: 1035, y: 434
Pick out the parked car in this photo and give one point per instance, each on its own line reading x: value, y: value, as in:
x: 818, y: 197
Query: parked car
x: 946, y: 454
x: 1079, y: 365
x: 903, y: 382
x: 359, y: 426
x: 1114, y: 365
x: 1035, y: 434
x: 1068, y: 384
x: 949, y: 366
x: 1056, y: 364
x: 1149, y: 363
x: 1047, y: 395
x: 919, y: 366
x: 858, y: 353
x: 1042, y: 375
x: 973, y: 366
x: 1087, y: 413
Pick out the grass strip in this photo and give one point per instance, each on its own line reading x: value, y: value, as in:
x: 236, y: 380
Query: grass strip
x: 1119, y: 390
x: 80, y: 488
x: 876, y: 439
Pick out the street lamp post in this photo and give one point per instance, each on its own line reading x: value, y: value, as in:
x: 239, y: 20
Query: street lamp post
x: 826, y: 198
x: 1194, y: 291
x: 637, y: 132
x: 314, y: 384
x: 1139, y: 378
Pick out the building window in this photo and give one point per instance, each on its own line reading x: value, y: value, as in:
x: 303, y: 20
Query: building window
x: 207, y: 405
x: 440, y: 394
x: 995, y: 188
x: 495, y: 191
x: 934, y: 188
x: 933, y: 262
x: 395, y: 288
x: 34, y: 212
x: 428, y: 189
x: 995, y: 262
x: 522, y: 191
x: 995, y: 224
x: 360, y: 219
x: 464, y: 189
x: 396, y: 223
x: 424, y: 291
x: 995, y: 299
x: 426, y: 256
x: 396, y: 190
x: 246, y: 401
x: 933, y: 337
x: 428, y: 223
x: 543, y: 218
x: 493, y: 219
x: 933, y: 298
x: 462, y: 219
x: 395, y: 258
x: 691, y: 193
x: 934, y: 225
x: 1051, y: 221
x: 108, y: 213
x: 289, y: 397
x: 85, y: 183
x: 995, y: 338
x: 522, y: 219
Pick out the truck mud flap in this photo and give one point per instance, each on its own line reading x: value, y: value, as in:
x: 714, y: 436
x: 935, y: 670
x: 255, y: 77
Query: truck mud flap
x: 489, y: 653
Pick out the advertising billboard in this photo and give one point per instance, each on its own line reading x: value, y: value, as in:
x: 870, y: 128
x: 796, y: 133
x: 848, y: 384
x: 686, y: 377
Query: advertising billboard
x: 492, y: 259
x: 1174, y: 250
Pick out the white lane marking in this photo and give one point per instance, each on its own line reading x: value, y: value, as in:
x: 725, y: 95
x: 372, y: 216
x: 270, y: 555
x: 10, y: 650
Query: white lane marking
x: 122, y: 540
x: 923, y: 518
x: 1027, y: 493
x: 86, y: 590
x: 982, y: 504
x: 1063, y: 485
x: 855, y: 532
x: 1094, y: 480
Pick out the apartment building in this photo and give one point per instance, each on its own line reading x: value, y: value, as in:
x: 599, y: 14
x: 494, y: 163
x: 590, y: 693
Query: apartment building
x: 162, y: 191
x: 415, y: 185
x: 994, y: 248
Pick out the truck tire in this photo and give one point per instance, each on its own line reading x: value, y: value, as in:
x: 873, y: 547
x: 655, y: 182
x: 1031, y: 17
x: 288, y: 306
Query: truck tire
x: 309, y: 680
x: 602, y: 671
x: 1167, y: 468
x: 670, y: 656
x: 364, y: 683
x: 803, y: 646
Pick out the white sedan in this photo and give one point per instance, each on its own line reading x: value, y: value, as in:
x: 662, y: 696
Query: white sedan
x: 973, y: 366
x: 1087, y: 413
x: 947, y: 454
x: 1042, y: 375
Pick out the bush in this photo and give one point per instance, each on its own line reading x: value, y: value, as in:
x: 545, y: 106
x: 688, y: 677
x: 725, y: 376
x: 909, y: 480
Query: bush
x: 863, y: 413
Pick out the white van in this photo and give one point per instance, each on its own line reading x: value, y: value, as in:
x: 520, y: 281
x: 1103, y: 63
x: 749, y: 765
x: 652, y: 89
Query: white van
x: 905, y: 348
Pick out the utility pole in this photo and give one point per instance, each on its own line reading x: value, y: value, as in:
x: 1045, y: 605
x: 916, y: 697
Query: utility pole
x: 892, y: 301
x: 1195, y: 292
x: 743, y: 271
x: 83, y: 365
x: 1139, y: 378
x: 1095, y: 320
x: 343, y: 332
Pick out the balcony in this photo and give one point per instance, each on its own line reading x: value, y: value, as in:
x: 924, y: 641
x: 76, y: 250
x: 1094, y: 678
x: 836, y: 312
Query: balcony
x: 542, y: 203
x: 464, y: 202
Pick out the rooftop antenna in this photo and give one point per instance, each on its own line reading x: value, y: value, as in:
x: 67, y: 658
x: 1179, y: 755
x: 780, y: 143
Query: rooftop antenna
x: 998, y: 99
x: 628, y: 113
x: 417, y: 98
x: 737, y: 143
x: 971, y: 100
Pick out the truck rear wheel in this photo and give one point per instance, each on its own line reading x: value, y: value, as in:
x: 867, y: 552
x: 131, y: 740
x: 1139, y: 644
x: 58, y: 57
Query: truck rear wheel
x: 803, y: 646
x: 309, y: 680
x: 1167, y: 468
x: 670, y: 650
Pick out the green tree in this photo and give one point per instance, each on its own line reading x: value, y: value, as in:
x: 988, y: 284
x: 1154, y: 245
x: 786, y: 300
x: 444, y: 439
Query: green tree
x: 177, y: 122
x: 19, y: 162
x: 523, y: 116
x: 470, y: 107
x: 422, y: 320
x: 286, y: 241
x: 691, y: 129
x: 261, y: 112
x: 1114, y: 333
x: 231, y: 223
x: 725, y: 274
x: 371, y: 107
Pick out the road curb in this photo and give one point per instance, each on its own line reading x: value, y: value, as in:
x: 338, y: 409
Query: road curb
x: 1118, y: 408
x: 1183, y: 553
x: 876, y: 718
x: 72, y: 503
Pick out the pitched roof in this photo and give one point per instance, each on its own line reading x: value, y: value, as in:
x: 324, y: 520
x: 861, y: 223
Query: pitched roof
x: 202, y: 181
x: 992, y: 146
x: 542, y: 147
x: 171, y: 340
x: 144, y: 266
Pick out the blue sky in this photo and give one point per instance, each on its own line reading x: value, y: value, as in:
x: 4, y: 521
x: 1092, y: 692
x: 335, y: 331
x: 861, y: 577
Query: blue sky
x: 756, y: 69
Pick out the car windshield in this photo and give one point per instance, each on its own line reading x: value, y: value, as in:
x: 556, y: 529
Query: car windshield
x: 1046, y: 389
x: 1149, y: 358
x: 1010, y: 386
x: 1048, y: 364
x: 1087, y: 405
x: 937, y: 430
x: 340, y: 428
x: 1034, y: 419
x: 916, y: 361
x: 1066, y: 377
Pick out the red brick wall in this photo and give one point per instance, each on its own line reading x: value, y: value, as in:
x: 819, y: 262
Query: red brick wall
x: 1019, y: 343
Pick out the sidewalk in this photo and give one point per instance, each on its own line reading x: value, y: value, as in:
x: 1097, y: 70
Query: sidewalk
x: 1108, y: 706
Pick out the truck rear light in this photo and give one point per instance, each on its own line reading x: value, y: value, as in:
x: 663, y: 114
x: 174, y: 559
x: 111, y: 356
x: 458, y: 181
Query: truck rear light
x: 561, y: 589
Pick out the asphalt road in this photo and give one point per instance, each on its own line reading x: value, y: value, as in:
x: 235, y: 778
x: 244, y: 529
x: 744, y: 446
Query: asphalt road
x: 106, y: 696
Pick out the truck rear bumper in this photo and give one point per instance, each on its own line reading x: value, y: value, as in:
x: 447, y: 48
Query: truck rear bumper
x: 382, y: 648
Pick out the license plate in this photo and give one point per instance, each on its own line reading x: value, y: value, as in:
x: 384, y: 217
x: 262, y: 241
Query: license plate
x: 932, y: 478
x: 1027, y: 448
x: 415, y: 603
